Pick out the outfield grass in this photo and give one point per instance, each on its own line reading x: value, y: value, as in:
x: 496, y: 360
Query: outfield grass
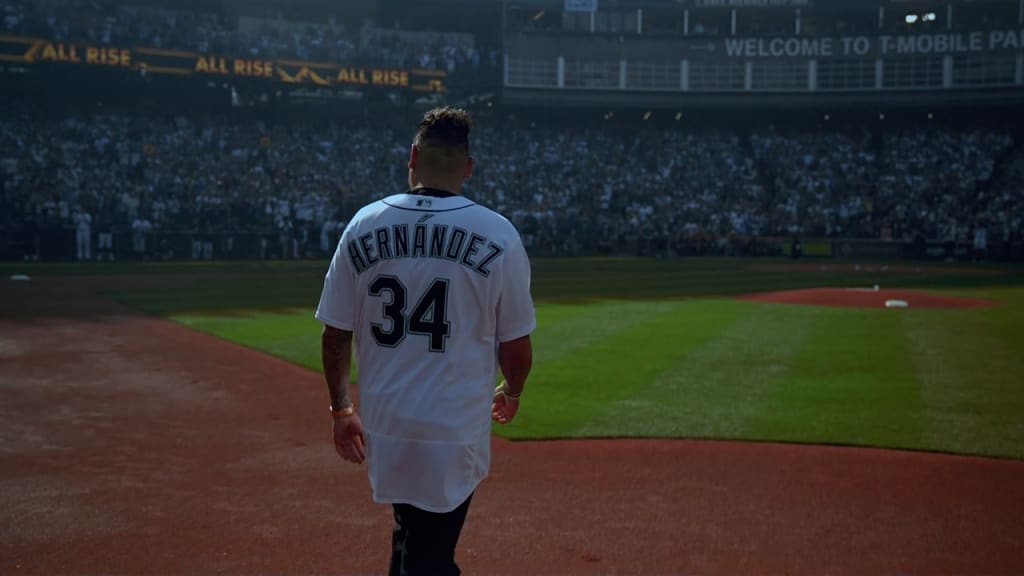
x: 657, y: 349
x: 164, y: 289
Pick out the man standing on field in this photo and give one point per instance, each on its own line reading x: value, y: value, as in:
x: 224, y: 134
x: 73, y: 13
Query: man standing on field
x: 435, y: 291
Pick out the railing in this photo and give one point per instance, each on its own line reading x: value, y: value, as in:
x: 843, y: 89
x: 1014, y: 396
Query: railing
x: 992, y: 58
x: 916, y: 72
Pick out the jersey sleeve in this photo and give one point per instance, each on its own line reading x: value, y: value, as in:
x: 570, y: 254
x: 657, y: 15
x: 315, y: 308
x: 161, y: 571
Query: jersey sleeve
x: 516, y: 317
x: 338, y: 300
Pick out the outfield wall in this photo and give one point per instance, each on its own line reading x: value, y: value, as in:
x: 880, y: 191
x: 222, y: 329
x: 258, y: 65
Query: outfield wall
x: 59, y: 244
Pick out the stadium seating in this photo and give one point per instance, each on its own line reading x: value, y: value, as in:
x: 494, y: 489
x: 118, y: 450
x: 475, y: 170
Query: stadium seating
x: 568, y: 190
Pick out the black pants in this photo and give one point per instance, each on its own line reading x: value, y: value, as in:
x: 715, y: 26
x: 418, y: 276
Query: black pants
x: 423, y: 543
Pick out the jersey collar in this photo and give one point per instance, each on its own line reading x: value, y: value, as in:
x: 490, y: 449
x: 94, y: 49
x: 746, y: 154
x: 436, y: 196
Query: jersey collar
x: 427, y: 203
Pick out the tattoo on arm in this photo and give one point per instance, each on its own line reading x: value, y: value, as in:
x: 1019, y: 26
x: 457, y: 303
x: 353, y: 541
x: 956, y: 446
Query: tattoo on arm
x: 336, y: 355
x: 516, y: 359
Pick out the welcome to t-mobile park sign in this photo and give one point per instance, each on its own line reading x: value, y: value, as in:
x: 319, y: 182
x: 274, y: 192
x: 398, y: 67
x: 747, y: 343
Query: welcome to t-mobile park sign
x: 864, y: 46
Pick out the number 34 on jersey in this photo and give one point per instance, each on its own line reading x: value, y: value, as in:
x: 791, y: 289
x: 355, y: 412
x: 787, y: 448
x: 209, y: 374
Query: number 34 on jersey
x: 429, y: 317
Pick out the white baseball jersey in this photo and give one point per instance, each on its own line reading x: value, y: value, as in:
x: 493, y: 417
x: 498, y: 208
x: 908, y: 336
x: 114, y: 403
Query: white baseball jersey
x: 429, y: 286
x: 83, y: 221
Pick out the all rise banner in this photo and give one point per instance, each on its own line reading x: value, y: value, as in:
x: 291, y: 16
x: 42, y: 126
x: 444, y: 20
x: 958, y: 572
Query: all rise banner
x: 34, y: 51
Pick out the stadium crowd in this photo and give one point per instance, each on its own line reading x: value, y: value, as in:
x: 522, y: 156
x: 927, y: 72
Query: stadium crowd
x: 569, y: 190
x: 117, y: 24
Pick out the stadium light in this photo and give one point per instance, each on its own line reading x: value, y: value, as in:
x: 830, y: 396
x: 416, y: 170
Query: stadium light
x: 930, y: 116
x: 679, y: 115
x: 911, y: 18
x: 881, y: 116
x: 647, y: 115
x: 538, y: 16
x: 827, y: 117
x: 928, y: 17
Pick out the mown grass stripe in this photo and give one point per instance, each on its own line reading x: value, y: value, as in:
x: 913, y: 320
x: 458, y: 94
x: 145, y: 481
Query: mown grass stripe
x: 715, y: 390
x: 970, y: 372
x: 852, y: 382
x: 567, y: 393
x: 563, y: 330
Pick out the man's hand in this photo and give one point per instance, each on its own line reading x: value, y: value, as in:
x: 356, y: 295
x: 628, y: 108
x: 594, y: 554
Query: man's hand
x: 348, y: 438
x: 515, y: 358
x: 503, y: 408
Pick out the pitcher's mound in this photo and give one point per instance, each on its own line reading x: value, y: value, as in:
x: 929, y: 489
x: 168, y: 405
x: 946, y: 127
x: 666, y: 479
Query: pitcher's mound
x: 866, y: 298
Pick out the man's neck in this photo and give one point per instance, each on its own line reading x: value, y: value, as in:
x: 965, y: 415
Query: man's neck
x: 443, y: 188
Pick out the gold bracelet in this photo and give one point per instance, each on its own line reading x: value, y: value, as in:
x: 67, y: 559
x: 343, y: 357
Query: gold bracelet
x: 343, y: 412
x: 504, y: 390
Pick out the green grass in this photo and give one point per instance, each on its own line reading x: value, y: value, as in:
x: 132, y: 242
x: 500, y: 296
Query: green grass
x: 934, y: 380
x: 656, y: 348
x: 293, y: 336
x: 176, y: 288
x: 623, y: 356
x: 971, y: 370
x: 850, y: 381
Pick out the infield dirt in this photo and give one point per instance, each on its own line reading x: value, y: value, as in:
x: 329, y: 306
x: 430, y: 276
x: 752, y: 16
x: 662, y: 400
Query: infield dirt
x: 866, y: 298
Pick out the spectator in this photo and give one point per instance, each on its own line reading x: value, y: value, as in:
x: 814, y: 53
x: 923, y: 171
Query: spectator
x: 112, y: 24
x: 141, y: 227
x: 83, y: 234
x: 650, y: 190
x: 105, y: 239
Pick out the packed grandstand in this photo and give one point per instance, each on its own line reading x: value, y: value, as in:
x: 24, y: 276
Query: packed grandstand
x: 203, y: 29
x: 220, y: 183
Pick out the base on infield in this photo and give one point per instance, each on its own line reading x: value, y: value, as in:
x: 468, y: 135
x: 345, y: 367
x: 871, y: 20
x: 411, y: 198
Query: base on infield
x: 867, y: 298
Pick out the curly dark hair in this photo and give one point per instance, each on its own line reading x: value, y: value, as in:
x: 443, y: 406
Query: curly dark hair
x: 445, y: 130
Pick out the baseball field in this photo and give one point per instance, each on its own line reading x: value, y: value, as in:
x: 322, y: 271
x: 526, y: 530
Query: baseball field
x: 648, y: 348
x: 770, y: 355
